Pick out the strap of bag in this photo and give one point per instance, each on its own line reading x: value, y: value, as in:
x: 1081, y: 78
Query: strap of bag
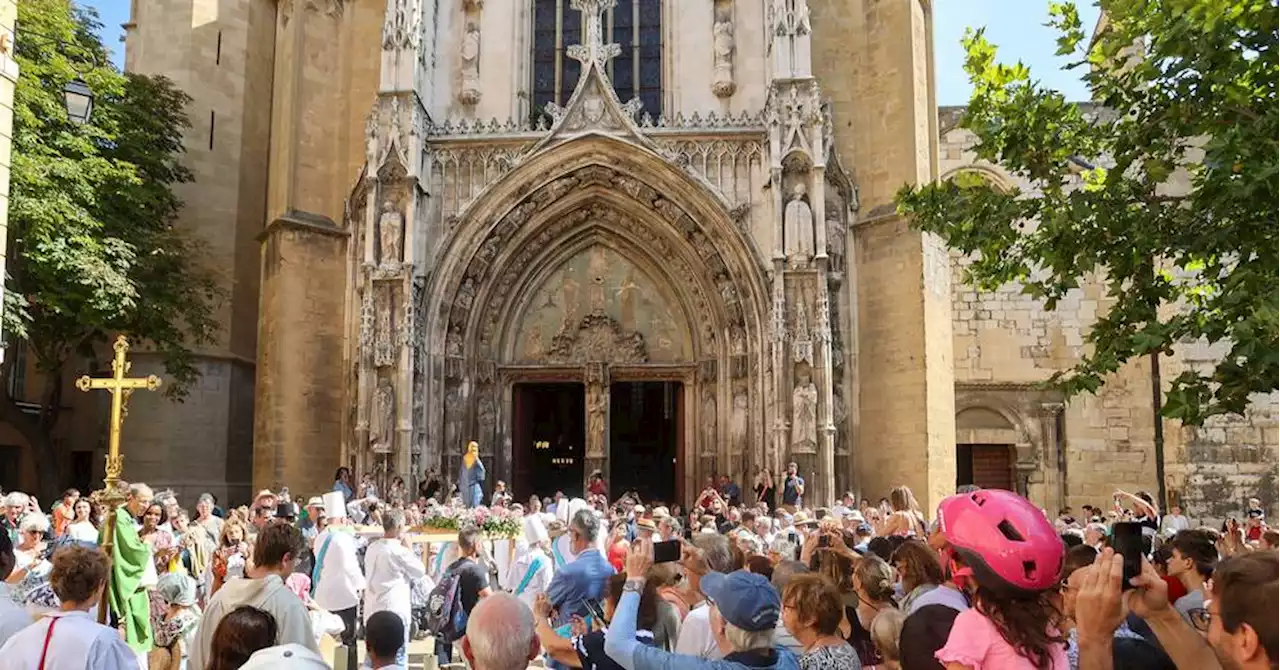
x: 44, y: 653
x: 534, y: 567
x: 315, y: 570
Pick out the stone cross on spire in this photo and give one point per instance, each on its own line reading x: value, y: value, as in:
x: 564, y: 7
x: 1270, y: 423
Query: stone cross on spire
x: 593, y: 49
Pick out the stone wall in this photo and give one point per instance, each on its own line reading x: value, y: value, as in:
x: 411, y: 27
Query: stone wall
x: 300, y: 384
x: 1006, y: 340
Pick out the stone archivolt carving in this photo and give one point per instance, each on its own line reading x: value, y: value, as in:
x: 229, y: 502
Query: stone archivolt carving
x: 722, y: 42
x: 598, y: 338
x: 481, y: 271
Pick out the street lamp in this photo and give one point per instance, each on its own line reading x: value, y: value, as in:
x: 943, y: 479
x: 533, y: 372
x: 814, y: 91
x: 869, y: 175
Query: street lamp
x: 78, y: 98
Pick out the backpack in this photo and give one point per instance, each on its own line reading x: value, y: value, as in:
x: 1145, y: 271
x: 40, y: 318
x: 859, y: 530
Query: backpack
x: 446, y: 618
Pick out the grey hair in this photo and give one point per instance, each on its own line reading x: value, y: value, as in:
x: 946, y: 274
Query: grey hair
x: 782, y: 546
x: 392, y: 521
x: 715, y: 548
x: 501, y: 633
x: 205, y: 497
x: 137, y: 489
x: 744, y: 640
x: 17, y: 499
x: 784, y: 571
x: 34, y: 522
x: 586, y: 524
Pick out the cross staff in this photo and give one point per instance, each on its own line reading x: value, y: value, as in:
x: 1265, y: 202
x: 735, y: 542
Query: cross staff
x: 120, y: 387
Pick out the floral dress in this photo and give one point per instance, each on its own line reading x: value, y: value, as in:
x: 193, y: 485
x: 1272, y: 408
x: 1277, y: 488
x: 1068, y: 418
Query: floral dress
x: 181, y: 627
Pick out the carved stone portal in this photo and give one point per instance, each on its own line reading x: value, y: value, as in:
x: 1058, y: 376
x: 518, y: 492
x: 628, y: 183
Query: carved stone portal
x: 598, y: 338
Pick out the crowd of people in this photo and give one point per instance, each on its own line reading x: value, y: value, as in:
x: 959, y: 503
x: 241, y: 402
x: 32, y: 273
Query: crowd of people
x: 986, y: 580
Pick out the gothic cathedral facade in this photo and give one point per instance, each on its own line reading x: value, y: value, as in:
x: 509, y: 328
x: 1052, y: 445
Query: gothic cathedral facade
x: 469, y: 202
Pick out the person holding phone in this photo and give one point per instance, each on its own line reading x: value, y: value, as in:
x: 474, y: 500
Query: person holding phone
x: 586, y: 649
x: 793, y: 487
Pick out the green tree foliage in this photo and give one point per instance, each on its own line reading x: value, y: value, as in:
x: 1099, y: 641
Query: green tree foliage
x: 1168, y: 193
x: 92, y: 247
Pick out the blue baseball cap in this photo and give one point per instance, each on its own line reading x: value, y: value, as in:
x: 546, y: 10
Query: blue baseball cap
x: 745, y: 599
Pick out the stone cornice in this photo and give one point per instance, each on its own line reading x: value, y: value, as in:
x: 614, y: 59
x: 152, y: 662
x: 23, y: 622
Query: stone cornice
x: 306, y: 221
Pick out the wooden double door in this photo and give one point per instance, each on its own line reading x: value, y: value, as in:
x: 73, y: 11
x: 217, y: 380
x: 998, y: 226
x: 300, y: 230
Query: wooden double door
x: 644, y: 439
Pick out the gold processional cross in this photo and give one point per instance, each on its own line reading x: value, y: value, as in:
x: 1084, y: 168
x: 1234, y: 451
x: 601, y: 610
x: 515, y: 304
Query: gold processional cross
x: 120, y: 387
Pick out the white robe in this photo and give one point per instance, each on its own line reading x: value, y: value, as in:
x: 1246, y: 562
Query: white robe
x: 340, y: 578
x: 389, y: 569
x: 78, y: 642
x: 538, y: 583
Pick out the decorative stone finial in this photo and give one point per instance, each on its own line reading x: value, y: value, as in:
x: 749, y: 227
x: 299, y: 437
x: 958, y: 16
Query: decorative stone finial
x: 593, y: 49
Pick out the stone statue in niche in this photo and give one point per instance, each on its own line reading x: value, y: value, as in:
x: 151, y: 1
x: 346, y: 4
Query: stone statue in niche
x: 466, y: 293
x: 452, y: 415
x: 738, y: 419
x: 390, y: 235
x: 804, y: 414
x: 708, y: 420
x: 382, y: 431
x: 722, y: 83
x: 486, y: 413
x: 798, y: 219
x: 469, y: 93
x: 838, y: 416
x: 597, y: 405
x: 835, y: 234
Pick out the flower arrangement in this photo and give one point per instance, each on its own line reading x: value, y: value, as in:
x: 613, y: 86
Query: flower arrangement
x: 495, y: 523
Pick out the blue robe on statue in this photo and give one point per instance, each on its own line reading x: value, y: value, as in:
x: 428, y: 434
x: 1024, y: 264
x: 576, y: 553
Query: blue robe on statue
x: 470, y: 484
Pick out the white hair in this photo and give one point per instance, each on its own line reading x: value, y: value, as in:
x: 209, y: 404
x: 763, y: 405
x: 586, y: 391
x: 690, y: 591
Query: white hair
x: 783, y: 547
x: 17, y: 499
x: 34, y: 522
x: 501, y: 633
x: 744, y: 640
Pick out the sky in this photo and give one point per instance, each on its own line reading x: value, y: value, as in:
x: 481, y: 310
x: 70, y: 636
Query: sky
x: 1015, y: 26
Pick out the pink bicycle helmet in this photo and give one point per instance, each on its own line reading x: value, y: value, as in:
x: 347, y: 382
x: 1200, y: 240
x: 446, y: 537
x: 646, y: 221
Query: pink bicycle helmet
x: 1005, y: 540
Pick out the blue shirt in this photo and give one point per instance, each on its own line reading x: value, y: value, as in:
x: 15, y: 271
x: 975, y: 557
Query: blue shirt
x: 583, y: 579
x: 621, y: 645
x: 347, y: 493
x: 790, y: 490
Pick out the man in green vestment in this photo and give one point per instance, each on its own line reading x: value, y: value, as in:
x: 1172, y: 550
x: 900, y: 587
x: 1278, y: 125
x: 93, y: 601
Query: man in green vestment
x: 130, y: 556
